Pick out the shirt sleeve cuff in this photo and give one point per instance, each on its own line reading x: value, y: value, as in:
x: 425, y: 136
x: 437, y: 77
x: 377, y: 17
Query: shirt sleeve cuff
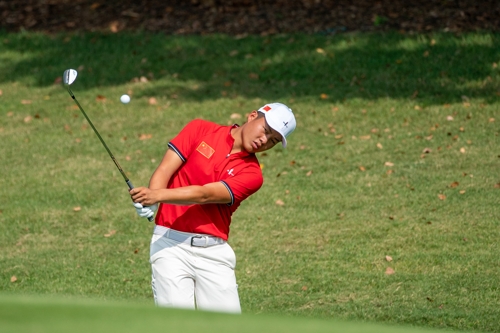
x: 230, y: 192
x: 174, y: 148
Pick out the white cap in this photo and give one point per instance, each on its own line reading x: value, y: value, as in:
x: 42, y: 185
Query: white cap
x: 281, y: 119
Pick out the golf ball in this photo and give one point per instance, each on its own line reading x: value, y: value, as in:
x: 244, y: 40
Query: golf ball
x: 125, y: 99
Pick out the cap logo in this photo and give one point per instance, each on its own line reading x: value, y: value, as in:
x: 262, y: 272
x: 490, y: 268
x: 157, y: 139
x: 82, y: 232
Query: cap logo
x: 266, y: 108
x: 286, y: 124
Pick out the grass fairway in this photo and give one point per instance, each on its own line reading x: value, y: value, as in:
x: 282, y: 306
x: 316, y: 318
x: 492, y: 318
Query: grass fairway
x: 383, y: 208
x: 37, y: 315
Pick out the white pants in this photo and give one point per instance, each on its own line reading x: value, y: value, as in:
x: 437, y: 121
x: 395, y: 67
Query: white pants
x: 190, y: 277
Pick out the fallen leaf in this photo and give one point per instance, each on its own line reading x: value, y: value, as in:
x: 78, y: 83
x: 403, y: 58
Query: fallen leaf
x: 28, y: 119
x: 442, y: 197
x: 427, y: 150
x: 152, y: 101
x: 77, y: 209
x: 389, y: 164
x: 309, y: 173
x: 145, y: 136
x: 462, y: 192
x: 491, y: 120
x: 110, y: 233
x: 279, y: 202
x: 26, y: 101
x: 320, y: 50
x: 389, y: 271
x: 235, y: 116
x: 365, y: 137
x: 253, y: 76
x: 388, y: 258
x: 100, y: 98
x: 324, y: 96
x: 114, y: 26
x: 362, y: 168
x: 449, y: 118
x: 379, y: 146
x: 13, y: 278
x: 497, y: 185
x: 304, y: 288
x: 454, y: 184
x: 462, y: 150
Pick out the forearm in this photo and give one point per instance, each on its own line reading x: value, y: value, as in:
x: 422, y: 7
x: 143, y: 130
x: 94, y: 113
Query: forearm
x: 189, y: 195
x: 159, y: 180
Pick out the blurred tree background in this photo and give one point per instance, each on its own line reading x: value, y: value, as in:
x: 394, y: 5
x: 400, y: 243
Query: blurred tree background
x: 241, y: 17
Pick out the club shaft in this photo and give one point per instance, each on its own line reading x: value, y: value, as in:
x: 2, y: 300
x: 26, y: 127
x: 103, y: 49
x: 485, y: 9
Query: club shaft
x: 102, y: 141
x: 129, y: 183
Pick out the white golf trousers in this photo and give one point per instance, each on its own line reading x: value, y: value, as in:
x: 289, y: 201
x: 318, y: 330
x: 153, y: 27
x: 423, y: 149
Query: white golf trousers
x: 189, y: 277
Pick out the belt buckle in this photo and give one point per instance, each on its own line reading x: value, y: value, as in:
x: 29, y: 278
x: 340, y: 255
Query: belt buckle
x: 199, y: 237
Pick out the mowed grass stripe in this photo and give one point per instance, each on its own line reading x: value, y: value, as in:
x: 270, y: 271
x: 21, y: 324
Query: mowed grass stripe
x: 23, y: 314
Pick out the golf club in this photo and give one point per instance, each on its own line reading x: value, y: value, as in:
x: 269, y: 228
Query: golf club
x: 69, y: 76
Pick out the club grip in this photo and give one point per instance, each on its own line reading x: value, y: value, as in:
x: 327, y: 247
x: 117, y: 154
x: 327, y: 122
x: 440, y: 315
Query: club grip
x: 130, y: 186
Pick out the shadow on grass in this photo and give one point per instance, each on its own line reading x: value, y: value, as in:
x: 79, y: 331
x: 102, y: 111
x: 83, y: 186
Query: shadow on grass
x: 433, y: 69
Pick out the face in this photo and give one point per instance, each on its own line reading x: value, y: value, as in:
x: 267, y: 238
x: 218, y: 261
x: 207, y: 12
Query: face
x: 257, y: 135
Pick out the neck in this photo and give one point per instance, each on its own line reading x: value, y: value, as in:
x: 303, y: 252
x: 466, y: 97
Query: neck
x: 237, y: 145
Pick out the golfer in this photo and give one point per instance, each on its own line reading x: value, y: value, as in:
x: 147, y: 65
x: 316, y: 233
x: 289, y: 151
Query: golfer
x: 206, y: 173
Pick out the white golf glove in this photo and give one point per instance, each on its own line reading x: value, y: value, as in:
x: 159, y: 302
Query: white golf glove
x: 147, y: 211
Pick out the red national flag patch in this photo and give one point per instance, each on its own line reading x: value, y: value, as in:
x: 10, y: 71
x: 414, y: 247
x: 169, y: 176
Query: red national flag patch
x: 205, y: 150
x: 266, y: 108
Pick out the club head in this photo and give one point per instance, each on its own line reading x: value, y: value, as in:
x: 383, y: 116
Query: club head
x: 69, y: 76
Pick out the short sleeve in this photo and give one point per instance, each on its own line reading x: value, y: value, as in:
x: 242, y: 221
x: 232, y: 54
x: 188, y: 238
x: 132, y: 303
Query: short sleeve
x: 186, y: 141
x: 247, y: 181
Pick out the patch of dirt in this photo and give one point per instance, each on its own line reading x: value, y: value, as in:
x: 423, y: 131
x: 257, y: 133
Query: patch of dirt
x: 240, y: 17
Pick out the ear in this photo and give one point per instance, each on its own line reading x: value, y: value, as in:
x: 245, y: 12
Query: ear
x: 252, y: 115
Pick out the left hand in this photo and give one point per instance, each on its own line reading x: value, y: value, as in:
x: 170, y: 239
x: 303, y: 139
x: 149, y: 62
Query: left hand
x: 142, y: 211
x: 143, y: 195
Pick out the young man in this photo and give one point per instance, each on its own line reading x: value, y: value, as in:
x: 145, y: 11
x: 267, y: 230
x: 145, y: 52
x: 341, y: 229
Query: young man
x: 204, y: 176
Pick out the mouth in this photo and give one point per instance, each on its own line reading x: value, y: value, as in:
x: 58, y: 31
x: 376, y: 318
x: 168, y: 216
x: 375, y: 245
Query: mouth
x: 255, y: 145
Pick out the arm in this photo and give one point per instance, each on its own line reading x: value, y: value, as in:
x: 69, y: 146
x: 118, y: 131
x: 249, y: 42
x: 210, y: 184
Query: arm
x: 167, y: 167
x: 208, y: 193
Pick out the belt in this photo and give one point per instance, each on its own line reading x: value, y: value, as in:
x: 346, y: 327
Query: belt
x: 197, y: 240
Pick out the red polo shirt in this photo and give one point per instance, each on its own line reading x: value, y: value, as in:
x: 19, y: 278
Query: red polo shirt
x: 205, y: 147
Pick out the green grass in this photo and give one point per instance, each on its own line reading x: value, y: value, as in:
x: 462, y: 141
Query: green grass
x: 355, y: 181
x: 72, y: 315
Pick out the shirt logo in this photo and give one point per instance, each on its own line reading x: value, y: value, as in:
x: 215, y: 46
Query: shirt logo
x: 205, y: 150
x: 230, y: 172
